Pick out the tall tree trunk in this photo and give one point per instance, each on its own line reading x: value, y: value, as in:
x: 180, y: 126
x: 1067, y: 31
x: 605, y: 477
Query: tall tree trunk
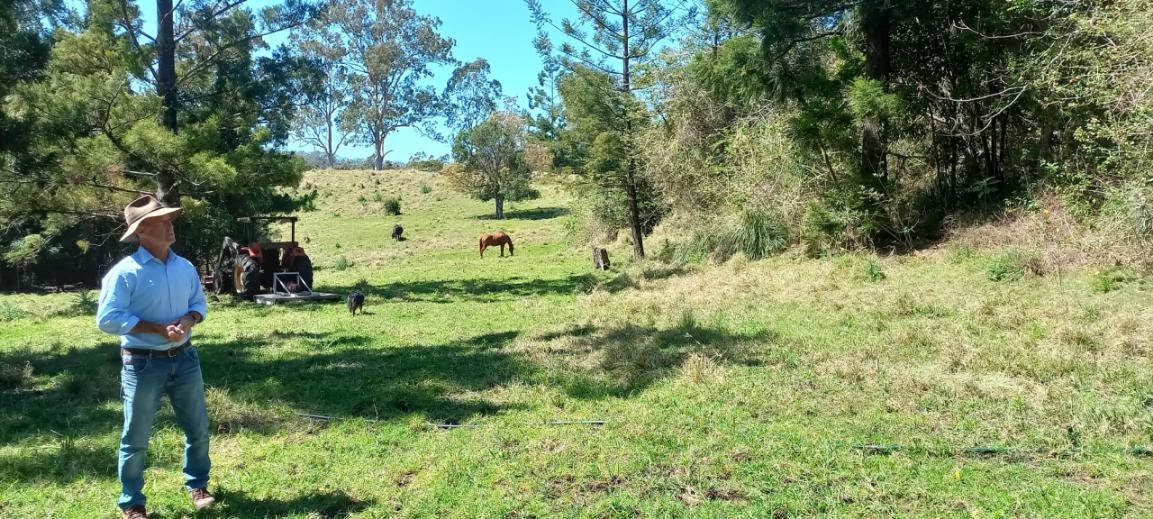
x: 987, y: 151
x: 329, y: 153
x: 1044, y: 149
x: 630, y: 173
x: 378, y: 155
x: 953, y: 158
x: 166, y: 188
x: 500, y: 207
x: 875, y: 21
x: 634, y: 211
x: 1004, y: 146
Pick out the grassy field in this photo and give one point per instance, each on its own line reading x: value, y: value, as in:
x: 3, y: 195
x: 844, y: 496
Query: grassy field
x: 847, y: 386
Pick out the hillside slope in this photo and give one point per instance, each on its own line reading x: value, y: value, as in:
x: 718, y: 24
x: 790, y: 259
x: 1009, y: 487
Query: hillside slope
x: 849, y: 386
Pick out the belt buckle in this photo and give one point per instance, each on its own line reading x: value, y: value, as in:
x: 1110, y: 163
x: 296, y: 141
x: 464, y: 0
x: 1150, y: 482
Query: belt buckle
x: 171, y: 352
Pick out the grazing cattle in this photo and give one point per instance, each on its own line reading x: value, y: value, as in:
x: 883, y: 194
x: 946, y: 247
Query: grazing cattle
x: 600, y: 258
x: 355, y: 303
x: 397, y: 231
x: 494, y: 239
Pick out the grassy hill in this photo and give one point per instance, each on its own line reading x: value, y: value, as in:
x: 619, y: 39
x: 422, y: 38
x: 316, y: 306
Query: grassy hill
x: 954, y: 382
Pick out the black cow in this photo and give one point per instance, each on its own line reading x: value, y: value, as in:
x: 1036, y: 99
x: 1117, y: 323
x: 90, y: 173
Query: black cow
x: 397, y: 231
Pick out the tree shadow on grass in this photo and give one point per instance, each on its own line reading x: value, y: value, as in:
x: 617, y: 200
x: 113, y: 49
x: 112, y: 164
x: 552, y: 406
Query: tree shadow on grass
x: 320, y: 505
x: 655, y: 272
x: 66, y: 413
x: 472, y: 290
x: 493, y: 340
x: 540, y: 213
x: 59, y: 394
x: 58, y: 407
x: 346, y: 378
x: 620, y: 281
x: 622, y: 361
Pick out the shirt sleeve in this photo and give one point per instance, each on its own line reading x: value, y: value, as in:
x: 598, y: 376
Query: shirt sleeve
x: 113, y: 315
x: 197, y: 303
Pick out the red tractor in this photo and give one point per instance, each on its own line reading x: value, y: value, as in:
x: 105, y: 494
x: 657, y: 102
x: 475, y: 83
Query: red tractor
x: 262, y: 266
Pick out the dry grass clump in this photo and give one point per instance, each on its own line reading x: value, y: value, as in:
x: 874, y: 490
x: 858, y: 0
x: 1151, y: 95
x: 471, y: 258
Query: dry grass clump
x: 16, y: 375
x: 1061, y: 243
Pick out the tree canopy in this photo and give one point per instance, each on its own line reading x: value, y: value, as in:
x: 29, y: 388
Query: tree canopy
x: 98, y: 130
x: 491, y: 163
x: 839, y: 124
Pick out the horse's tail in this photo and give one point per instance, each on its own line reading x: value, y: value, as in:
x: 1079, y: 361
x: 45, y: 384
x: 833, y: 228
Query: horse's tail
x: 482, y: 246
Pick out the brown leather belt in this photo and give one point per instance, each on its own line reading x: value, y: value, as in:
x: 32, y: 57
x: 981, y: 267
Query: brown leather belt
x: 172, y: 352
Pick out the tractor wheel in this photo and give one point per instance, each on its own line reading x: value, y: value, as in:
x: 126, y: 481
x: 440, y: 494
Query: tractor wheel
x: 222, y: 280
x: 303, y: 266
x: 246, y: 277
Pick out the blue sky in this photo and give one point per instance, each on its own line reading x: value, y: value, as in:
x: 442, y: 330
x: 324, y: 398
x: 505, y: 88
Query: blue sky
x: 497, y: 30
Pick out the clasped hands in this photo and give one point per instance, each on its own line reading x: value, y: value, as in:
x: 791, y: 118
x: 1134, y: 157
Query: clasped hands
x: 177, y: 331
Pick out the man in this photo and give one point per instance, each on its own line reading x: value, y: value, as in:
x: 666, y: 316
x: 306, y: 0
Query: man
x: 152, y: 299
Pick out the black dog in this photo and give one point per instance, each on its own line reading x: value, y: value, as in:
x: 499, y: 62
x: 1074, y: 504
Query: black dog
x: 355, y: 303
x: 397, y: 231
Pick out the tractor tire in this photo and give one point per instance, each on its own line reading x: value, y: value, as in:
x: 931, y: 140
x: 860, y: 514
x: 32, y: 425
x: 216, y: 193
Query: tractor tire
x: 246, y: 277
x: 222, y: 280
x: 303, y: 266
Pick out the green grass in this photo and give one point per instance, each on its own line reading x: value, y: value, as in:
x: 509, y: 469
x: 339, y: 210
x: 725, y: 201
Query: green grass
x: 740, y: 389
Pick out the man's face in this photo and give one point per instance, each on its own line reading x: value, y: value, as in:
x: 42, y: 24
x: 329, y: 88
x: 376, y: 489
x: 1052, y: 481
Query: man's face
x: 157, y: 231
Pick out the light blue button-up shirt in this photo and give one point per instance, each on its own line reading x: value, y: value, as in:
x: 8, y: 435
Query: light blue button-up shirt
x: 143, y: 288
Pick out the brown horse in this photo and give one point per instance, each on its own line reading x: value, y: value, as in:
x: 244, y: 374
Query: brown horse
x: 494, y: 239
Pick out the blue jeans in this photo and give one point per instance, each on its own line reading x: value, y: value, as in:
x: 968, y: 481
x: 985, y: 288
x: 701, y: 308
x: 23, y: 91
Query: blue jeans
x: 143, y: 380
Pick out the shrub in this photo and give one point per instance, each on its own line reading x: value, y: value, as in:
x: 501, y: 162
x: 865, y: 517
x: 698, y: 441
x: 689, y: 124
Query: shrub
x: 1112, y: 279
x: 424, y: 189
x: 422, y: 162
x: 1011, y: 266
x: 738, y: 262
x: 11, y: 313
x: 858, y: 267
x: 1128, y: 215
x: 392, y: 205
x: 84, y: 303
x: 687, y: 321
x: 754, y: 233
x: 873, y: 272
x: 962, y: 254
x: 841, y: 220
x: 342, y: 263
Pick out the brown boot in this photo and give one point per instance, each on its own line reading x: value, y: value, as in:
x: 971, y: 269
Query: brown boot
x: 135, y: 512
x: 201, y: 499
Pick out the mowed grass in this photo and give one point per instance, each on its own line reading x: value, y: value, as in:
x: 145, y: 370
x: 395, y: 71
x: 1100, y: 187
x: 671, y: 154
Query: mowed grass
x: 847, y: 386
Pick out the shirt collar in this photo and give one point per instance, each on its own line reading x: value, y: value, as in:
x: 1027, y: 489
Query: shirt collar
x: 143, y: 256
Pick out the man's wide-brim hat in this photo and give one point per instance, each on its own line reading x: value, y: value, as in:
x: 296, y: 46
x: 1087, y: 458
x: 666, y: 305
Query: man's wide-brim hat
x: 141, y: 209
